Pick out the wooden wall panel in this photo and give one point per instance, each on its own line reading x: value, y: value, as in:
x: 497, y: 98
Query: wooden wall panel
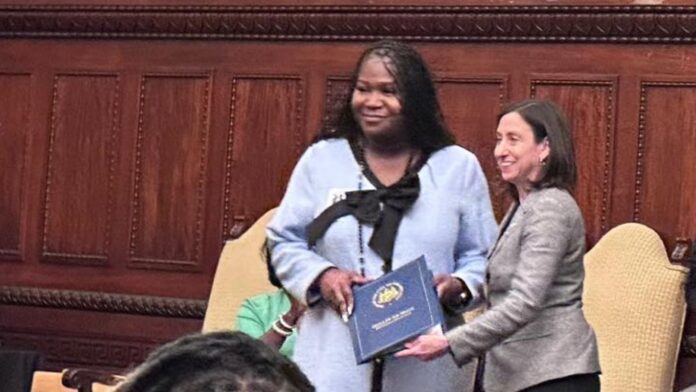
x: 15, y: 104
x: 337, y: 93
x: 470, y: 105
x: 664, y: 199
x: 588, y: 101
x: 265, y: 137
x: 78, y: 200
x: 170, y: 171
x: 141, y: 136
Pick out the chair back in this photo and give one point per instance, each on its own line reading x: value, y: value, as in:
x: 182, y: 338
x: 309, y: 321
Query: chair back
x: 241, y: 273
x: 634, y: 300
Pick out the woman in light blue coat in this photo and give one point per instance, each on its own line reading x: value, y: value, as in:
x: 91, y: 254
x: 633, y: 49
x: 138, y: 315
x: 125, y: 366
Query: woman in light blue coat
x: 383, y: 187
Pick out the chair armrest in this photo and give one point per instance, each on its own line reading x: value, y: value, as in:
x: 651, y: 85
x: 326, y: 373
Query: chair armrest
x: 82, y: 379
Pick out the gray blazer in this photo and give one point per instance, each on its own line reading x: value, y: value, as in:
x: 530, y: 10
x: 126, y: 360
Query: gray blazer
x: 535, y: 329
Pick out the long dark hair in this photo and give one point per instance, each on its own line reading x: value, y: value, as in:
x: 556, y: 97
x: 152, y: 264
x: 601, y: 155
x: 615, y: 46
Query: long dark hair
x: 422, y: 117
x: 548, y: 121
x: 266, y: 255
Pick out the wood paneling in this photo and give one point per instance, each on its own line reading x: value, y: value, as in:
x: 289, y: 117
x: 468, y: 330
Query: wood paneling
x: 82, y: 136
x: 470, y: 106
x: 588, y: 101
x: 170, y: 166
x: 265, y: 138
x: 15, y: 104
x: 125, y: 160
x: 666, y: 142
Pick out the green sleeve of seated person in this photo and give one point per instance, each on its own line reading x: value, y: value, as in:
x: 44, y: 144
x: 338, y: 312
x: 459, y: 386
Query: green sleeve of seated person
x: 258, y: 313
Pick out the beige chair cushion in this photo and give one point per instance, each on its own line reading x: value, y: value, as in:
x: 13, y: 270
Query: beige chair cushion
x: 634, y: 300
x: 241, y: 273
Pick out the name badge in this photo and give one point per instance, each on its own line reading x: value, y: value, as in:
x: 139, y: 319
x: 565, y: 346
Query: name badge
x: 334, y: 196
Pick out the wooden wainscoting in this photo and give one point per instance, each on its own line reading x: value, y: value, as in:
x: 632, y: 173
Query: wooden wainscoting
x: 135, y: 139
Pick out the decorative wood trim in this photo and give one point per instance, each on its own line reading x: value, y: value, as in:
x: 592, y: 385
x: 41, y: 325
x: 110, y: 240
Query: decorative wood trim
x: 609, y: 134
x: 300, y: 113
x: 234, y: 226
x: 10, y: 255
x: 70, y: 258
x: 157, y: 263
x: 137, y: 171
x: 60, y: 351
x: 229, y: 162
x: 641, y: 151
x: 163, y: 264
x: 641, y: 135
x: 613, y: 24
x: 113, y: 158
x: 202, y: 168
x: 330, y: 98
x: 103, y: 302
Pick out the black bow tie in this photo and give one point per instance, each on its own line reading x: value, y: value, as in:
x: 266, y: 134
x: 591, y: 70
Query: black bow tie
x: 382, y: 208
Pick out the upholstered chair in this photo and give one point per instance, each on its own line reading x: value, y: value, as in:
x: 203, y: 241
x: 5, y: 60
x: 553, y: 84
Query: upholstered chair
x: 241, y: 273
x: 634, y: 300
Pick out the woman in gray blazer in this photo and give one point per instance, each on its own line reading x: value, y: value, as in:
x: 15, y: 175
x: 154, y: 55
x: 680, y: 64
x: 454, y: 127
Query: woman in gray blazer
x: 534, y: 333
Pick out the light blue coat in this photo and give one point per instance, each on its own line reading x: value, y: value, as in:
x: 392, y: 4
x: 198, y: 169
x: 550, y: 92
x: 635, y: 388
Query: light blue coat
x: 451, y: 223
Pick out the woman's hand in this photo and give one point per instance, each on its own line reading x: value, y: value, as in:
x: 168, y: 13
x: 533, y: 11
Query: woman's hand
x: 426, y: 347
x: 335, y: 287
x: 295, y: 312
x: 449, y: 289
x: 284, y: 326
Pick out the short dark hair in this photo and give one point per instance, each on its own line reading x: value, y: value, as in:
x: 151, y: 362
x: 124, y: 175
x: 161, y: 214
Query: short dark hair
x: 548, y: 121
x: 216, y: 362
x: 421, y: 112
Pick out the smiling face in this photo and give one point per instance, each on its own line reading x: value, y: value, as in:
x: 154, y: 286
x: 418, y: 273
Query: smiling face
x: 518, y: 155
x: 376, y: 101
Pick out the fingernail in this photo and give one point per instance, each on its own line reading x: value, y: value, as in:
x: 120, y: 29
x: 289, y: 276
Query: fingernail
x: 350, y: 309
x: 344, y: 316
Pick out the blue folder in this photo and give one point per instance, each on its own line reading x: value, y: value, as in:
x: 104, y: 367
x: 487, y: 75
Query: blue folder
x: 394, y: 309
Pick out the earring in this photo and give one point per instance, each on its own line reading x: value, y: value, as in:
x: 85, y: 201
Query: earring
x: 542, y: 161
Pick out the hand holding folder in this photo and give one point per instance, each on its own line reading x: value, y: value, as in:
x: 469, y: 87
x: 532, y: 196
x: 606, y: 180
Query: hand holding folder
x: 394, y: 309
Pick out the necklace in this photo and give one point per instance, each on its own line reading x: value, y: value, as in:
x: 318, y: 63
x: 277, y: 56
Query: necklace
x: 366, y: 172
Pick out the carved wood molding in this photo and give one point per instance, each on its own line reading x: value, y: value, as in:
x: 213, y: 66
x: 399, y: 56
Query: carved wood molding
x: 10, y: 255
x: 658, y: 24
x: 103, y: 302
x: 93, y: 352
